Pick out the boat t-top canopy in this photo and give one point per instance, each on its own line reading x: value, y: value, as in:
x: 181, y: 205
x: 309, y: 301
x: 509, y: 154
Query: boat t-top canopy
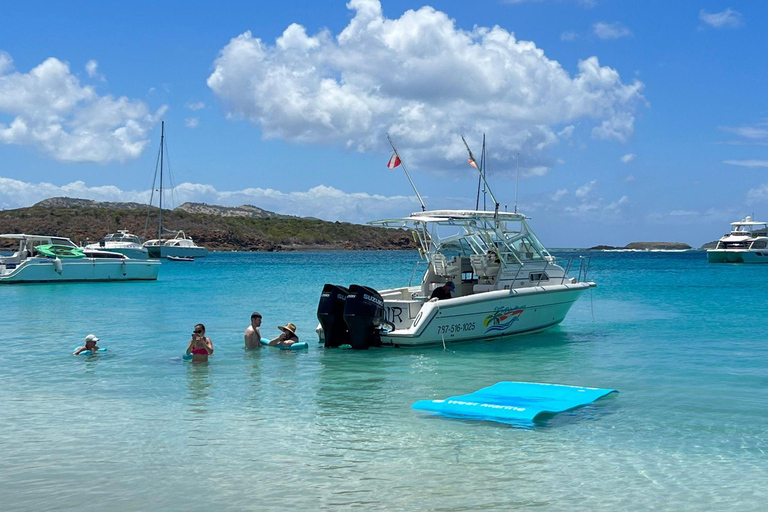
x: 453, y: 217
x: 39, y: 238
x: 473, y: 232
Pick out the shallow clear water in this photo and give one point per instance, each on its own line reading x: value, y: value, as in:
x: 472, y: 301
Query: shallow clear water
x: 136, y: 429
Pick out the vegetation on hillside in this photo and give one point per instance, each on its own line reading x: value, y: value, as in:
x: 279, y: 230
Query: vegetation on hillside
x: 215, y: 232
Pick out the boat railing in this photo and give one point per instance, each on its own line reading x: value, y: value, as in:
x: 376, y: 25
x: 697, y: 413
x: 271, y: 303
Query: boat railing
x: 566, y: 270
x: 584, y: 263
x: 413, y: 274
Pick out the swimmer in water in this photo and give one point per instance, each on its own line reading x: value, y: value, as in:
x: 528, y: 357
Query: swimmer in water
x: 199, y: 346
x: 90, y: 344
x: 287, y: 338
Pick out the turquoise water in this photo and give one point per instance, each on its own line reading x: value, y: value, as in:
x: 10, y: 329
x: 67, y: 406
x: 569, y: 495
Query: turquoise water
x: 133, y: 429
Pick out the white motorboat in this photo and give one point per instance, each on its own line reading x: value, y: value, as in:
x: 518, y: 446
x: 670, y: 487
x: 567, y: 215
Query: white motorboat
x: 506, y: 283
x: 41, y: 259
x: 179, y: 246
x: 121, y: 242
x: 747, y: 242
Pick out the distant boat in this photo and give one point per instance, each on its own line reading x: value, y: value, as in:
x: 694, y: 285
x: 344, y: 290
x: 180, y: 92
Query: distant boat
x: 121, y: 242
x: 747, y: 242
x: 180, y: 258
x: 180, y: 245
x: 42, y: 259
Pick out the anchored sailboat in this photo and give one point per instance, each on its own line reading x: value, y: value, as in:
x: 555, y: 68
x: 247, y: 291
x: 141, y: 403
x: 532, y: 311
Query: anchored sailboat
x: 180, y: 245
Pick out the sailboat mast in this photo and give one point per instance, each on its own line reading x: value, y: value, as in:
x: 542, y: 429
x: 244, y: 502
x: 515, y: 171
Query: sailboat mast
x: 162, y: 146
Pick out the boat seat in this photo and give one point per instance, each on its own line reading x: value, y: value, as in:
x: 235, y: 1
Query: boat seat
x: 439, y: 263
x: 483, y: 266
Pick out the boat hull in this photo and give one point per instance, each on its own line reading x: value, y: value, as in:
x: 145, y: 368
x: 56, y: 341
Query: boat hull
x: 163, y: 251
x: 46, y: 270
x: 488, y: 315
x: 737, y: 256
x: 135, y: 253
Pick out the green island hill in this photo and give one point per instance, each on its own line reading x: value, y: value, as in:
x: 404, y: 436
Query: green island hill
x: 218, y: 228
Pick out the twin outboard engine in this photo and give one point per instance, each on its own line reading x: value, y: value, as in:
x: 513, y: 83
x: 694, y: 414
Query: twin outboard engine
x: 330, y: 313
x: 364, y: 313
x: 351, y: 316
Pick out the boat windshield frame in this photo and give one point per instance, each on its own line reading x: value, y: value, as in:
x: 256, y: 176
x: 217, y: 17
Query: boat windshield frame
x: 478, y: 232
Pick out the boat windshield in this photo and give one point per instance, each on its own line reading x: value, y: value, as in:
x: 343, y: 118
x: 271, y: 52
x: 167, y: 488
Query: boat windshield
x: 133, y: 239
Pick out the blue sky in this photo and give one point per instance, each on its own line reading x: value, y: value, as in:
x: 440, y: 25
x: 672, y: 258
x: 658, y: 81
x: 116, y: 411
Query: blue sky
x: 634, y: 121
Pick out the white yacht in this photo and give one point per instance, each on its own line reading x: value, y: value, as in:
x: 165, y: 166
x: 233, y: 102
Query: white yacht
x: 747, y: 242
x: 179, y: 246
x: 41, y: 259
x: 121, y: 242
x: 505, y: 283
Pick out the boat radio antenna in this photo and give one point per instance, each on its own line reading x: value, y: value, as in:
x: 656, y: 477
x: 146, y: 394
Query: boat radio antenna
x: 473, y: 163
x: 394, y: 163
x: 517, y: 180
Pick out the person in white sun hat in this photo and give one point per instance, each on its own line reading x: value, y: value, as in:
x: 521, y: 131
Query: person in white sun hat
x: 90, y: 344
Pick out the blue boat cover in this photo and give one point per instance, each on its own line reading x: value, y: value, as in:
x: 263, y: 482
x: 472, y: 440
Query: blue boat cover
x: 511, y: 402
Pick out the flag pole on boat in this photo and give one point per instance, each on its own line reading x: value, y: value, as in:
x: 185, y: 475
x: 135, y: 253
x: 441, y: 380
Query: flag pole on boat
x: 394, y: 161
x: 473, y: 163
x: 517, y: 180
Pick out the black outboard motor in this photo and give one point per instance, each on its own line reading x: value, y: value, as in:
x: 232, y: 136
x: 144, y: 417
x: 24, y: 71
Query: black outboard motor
x: 364, y: 313
x: 330, y: 313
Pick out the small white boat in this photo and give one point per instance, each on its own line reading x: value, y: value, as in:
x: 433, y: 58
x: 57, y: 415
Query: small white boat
x: 747, y: 242
x: 179, y: 258
x: 179, y: 246
x: 506, y: 283
x: 41, y: 259
x: 121, y: 242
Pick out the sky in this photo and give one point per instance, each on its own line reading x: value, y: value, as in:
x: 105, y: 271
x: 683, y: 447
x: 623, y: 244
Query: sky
x: 628, y: 120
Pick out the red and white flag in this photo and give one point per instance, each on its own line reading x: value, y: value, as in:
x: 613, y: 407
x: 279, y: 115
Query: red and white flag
x: 473, y: 163
x: 393, y: 162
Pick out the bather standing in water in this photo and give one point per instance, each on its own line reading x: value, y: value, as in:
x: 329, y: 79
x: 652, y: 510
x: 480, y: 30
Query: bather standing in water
x: 199, y: 346
x: 252, y: 333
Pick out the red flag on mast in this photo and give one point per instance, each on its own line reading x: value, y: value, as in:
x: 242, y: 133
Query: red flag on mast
x: 393, y: 162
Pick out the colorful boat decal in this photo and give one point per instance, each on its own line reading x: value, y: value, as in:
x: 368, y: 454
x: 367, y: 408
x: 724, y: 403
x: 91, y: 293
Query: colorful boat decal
x: 502, y: 318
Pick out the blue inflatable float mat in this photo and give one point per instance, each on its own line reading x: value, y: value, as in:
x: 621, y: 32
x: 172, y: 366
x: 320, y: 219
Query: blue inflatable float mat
x: 513, y: 402
x: 299, y: 345
x: 89, y: 352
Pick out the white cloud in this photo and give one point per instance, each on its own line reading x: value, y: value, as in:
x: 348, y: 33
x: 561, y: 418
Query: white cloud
x: 322, y: 201
x: 747, y: 163
x: 628, y: 158
x: 54, y: 113
x: 569, y: 35
x: 618, y: 127
x: 614, y: 30
x: 750, y: 134
x: 629, y: 178
x: 198, y: 105
x: 192, y: 122
x: 559, y: 194
x: 758, y: 195
x: 92, y: 68
x: 683, y: 213
x: 424, y: 81
x: 585, y: 190
x: 728, y: 18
